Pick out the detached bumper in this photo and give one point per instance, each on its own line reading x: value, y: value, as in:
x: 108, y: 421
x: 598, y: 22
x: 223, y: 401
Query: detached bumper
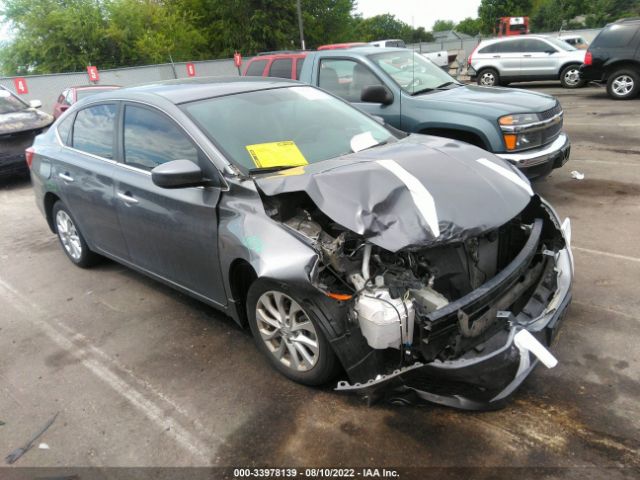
x: 539, y: 162
x: 483, y: 379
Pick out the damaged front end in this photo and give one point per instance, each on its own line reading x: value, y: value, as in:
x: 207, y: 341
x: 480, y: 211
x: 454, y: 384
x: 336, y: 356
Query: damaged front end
x: 458, y: 319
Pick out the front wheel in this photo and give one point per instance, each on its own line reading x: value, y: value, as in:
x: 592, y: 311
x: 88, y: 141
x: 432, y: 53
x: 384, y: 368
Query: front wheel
x: 488, y: 77
x: 623, y: 84
x: 289, y: 336
x: 570, y: 77
x: 72, y: 241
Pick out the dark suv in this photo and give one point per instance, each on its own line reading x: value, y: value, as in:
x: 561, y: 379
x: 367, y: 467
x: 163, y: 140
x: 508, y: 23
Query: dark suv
x: 614, y: 58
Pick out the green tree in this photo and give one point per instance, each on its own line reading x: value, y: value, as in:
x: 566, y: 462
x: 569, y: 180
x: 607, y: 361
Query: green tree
x: 490, y: 10
x: 470, y: 26
x: 382, y: 27
x: 549, y: 16
x: 443, y: 25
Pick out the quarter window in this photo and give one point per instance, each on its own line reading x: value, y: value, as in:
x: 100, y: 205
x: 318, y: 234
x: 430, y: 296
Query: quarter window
x: 64, y: 128
x: 151, y: 139
x: 281, y: 68
x: 616, y: 36
x: 299, y: 64
x: 93, y: 130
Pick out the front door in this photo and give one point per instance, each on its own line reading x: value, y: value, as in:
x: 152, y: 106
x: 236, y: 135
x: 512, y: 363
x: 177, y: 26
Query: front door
x: 171, y: 233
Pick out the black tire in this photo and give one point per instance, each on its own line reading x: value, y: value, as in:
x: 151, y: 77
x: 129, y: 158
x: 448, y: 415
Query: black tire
x: 326, y: 365
x: 617, y: 90
x: 570, y: 77
x: 72, y: 242
x: 488, y: 77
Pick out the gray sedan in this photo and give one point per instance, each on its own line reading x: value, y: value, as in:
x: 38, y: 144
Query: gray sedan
x: 416, y: 265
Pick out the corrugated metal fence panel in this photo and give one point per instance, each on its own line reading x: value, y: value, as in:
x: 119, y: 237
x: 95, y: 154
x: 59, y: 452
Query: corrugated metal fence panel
x: 47, y: 88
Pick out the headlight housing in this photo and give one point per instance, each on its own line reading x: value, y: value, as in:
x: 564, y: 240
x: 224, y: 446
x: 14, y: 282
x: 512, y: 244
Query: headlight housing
x: 521, y: 131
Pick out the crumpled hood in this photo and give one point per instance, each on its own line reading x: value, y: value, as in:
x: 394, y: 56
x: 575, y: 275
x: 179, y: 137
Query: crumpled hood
x: 503, y: 100
x: 413, y: 193
x: 24, y: 120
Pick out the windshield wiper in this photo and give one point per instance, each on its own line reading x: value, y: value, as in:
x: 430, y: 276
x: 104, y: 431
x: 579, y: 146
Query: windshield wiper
x: 446, y: 84
x: 424, y: 90
x: 275, y: 168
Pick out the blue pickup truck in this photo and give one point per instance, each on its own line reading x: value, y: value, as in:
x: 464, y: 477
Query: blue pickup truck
x: 411, y: 94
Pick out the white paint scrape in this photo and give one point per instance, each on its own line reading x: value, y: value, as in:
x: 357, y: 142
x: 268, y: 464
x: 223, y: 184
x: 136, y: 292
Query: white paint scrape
x: 506, y: 173
x: 419, y: 193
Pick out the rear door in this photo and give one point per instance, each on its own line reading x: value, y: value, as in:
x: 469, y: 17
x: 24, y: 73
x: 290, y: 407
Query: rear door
x: 508, y: 57
x: 83, y: 173
x: 171, y: 233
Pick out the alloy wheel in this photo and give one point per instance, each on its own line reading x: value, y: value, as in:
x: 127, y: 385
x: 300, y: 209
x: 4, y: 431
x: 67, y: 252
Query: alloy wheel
x: 68, y: 235
x: 572, y: 77
x: 622, y: 85
x: 287, y: 331
x: 488, y: 79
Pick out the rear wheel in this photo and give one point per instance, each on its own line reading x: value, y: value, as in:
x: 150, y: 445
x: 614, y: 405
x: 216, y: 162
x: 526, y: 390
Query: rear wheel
x: 570, y: 77
x: 623, y: 84
x: 72, y: 241
x: 488, y: 77
x: 289, y: 336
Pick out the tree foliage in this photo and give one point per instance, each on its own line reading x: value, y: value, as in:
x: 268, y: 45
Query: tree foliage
x: 490, y: 10
x: 443, y: 25
x: 470, y: 26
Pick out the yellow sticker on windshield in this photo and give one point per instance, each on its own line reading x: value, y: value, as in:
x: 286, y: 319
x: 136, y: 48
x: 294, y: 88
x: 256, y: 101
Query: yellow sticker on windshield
x: 276, y: 154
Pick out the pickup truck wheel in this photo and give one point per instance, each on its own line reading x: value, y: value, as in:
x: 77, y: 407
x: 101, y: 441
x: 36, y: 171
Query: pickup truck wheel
x: 623, y: 84
x: 570, y: 77
x: 488, y: 77
x: 289, y: 336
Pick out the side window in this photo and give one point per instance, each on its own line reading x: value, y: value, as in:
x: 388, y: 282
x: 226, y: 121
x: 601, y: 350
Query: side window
x: 299, y: 63
x: 64, y: 129
x: 281, y: 68
x: 535, y: 46
x: 150, y: 139
x: 256, y: 68
x: 93, y: 130
x: 488, y: 49
x: 345, y: 78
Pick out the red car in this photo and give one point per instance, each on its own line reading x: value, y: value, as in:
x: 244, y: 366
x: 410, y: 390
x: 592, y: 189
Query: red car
x: 72, y: 94
x: 283, y: 65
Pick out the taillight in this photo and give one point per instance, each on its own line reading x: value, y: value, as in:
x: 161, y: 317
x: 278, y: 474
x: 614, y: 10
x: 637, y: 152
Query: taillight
x: 28, y: 155
x: 588, y: 58
x: 471, y: 55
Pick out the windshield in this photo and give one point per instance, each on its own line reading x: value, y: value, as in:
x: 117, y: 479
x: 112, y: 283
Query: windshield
x: 285, y: 127
x: 561, y: 44
x: 411, y: 71
x: 10, y: 103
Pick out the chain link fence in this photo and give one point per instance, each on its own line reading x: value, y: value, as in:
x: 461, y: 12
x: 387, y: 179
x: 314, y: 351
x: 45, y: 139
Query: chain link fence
x: 47, y: 88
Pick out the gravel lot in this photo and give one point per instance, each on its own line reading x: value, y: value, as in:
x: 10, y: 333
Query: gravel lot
x: 144, y: 376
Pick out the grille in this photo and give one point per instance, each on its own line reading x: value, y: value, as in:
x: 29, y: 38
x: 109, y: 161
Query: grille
x: 547, y: 114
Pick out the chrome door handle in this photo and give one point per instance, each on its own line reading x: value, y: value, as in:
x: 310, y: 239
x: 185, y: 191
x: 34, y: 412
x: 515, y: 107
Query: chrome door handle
x: 496, y: 56
x: 527, y: 56
x: 126, y: 198
x: 65, y: 177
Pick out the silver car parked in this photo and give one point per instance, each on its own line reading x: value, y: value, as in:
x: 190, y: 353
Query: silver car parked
x: 526, y: 58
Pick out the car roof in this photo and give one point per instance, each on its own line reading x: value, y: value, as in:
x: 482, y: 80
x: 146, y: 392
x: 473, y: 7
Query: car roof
x: 513, y: 38
x: 364, y: 51
x: 269, y: 56
x: 89, y: 87
x: 191, y: 89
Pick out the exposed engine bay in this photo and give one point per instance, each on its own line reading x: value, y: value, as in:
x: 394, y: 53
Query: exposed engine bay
x: 436, y: 302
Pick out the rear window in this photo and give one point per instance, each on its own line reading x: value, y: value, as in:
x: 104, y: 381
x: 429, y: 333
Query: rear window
x: 615, y: 36
x: 90, y: 91
x: 256, y: 68
x: 281, y: 68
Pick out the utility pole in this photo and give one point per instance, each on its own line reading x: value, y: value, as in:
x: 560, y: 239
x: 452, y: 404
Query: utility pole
x: 300, y: 24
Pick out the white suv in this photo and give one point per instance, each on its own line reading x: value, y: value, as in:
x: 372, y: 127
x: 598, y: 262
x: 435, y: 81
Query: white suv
x: 525, y: 58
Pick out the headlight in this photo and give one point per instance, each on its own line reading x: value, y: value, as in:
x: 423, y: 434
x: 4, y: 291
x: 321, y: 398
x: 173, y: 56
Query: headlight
x: 516, y: 134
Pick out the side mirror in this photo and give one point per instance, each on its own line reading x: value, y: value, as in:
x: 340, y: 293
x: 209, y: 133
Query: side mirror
x: 35, y: 104
x: 376, y: 94
x: 178, y: 174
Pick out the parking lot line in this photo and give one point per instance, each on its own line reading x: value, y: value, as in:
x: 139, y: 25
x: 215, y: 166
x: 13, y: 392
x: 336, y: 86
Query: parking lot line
x: 606, y: 254
x: 68, y: 340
